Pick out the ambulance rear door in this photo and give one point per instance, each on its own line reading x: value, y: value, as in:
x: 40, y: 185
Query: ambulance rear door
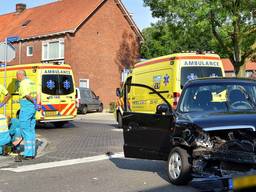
x: 67, y: 95
x: 50, y: 99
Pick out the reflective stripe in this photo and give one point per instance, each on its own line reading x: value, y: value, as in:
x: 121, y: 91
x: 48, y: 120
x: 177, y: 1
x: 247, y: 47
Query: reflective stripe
x: 51, y: 107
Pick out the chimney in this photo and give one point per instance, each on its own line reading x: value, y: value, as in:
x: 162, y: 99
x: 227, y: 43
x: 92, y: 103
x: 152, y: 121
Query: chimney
x: 20, y: 7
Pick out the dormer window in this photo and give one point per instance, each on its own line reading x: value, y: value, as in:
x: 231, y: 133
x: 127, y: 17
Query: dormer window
x: 25, y: 23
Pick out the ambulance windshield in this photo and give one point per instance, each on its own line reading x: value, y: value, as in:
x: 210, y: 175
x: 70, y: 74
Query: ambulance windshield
x: 190, y: 73
x: 57, y: 84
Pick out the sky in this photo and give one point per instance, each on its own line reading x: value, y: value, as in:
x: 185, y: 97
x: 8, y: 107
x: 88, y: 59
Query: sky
x: 141, y: 14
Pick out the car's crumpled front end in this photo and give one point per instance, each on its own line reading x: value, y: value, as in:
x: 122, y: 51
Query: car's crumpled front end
x: 218, y: 150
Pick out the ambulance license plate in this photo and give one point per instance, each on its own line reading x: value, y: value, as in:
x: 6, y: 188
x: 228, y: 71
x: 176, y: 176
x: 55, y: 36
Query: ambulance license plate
x: 50, y: 113
x: 244, y: 182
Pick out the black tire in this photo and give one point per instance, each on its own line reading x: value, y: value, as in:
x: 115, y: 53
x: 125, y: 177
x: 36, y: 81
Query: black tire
x: 60, y: 124
x: 119, y: 120
x: 84, y: 110
x: 182, y: 166
x: 100, y: 108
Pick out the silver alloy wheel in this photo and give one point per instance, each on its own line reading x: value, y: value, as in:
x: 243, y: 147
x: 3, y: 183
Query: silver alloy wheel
x: 175, y: 165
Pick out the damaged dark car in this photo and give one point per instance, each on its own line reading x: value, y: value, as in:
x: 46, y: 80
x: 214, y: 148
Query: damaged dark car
x: 212, y: 132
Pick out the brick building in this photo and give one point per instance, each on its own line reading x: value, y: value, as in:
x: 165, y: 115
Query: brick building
x: 98, y: 38
x: 250, y: 67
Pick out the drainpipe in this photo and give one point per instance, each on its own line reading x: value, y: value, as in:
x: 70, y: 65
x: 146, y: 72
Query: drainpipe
x: 20, y: 52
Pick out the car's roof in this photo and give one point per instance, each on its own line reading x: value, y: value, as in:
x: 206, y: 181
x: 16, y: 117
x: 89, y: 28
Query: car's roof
x: 219, y: 80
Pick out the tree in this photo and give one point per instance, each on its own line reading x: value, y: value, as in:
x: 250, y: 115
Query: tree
x: 232, y: 23
x: 163, y: 38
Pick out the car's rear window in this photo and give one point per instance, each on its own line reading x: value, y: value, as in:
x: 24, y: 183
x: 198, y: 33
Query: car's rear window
x: 190, y: 73
x: 57, y: 84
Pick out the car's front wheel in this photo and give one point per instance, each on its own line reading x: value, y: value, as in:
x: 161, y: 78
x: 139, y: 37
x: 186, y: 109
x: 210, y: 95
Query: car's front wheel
x: 179, y: 168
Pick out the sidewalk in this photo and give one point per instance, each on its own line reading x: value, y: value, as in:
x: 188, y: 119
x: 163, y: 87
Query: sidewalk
x: 41, y: 144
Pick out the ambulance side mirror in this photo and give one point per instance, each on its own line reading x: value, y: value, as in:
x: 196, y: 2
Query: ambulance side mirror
x: 163, y: 109
x: 118, y: 92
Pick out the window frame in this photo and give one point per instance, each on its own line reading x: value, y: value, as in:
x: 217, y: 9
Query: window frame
x: 28, y: 49
x: 88, y: 82
x: 46, y: 45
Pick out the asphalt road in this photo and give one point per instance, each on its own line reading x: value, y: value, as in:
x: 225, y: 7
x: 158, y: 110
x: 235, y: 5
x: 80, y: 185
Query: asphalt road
x: 91, y: 135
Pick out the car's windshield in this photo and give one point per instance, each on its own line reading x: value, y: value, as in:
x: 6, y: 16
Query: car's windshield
x: 219, y: 98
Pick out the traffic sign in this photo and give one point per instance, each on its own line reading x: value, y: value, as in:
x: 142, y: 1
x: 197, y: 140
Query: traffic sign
x: 2, y: 65
x: 7, y: 54
x: 12, y: 39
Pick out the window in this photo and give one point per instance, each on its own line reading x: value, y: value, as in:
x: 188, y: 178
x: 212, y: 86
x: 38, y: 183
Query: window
x: 93, y: 95
x: 84, y: 83
x: 52, y: 50
x: 125, y: 73
x: 57, y: 84
x: 29, y: 51
x: 190, y: 73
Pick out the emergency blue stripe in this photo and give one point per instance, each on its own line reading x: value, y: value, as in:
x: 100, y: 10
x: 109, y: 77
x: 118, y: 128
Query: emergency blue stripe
x: 51, y: 107
x: 2, y: 118
x: 43, y: 107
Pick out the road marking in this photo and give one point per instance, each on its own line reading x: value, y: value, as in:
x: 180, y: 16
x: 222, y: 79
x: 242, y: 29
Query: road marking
x: 117, y: 130
x: 40, y: 166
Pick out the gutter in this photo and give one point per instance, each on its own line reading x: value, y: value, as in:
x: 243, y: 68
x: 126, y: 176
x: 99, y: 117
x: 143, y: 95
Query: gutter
x: 46, y: 35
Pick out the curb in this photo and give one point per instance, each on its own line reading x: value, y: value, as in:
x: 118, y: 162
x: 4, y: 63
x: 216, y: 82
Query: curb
x: 42, y: 143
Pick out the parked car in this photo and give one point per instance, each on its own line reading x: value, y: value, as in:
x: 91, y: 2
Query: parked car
x: 87, y: 101
x: 211, y: 133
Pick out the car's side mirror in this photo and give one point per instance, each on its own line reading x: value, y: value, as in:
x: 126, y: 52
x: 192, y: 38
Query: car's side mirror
x: 163, y: 109
x: 118, y: 92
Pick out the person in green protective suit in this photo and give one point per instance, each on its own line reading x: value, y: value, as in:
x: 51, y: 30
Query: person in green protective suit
x: 4, y: 133
x: 28, y: 106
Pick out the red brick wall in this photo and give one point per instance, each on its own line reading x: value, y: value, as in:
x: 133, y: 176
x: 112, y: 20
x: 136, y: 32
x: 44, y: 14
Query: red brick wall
x: 100, y: 48
x: 21, y: 51
x: 98, y: 51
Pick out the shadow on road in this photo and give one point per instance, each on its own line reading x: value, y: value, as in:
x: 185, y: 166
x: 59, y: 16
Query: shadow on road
x: 142, y: 165
x: 158, y: 167
x: 170, y: 187
x: 68, y: 125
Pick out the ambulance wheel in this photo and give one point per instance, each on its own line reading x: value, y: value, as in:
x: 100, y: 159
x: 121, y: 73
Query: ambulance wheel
x: 84, y: 109
x: 100, y: 108
x: 59, y: 124
x: 119, y: 120
x: 179, y: 168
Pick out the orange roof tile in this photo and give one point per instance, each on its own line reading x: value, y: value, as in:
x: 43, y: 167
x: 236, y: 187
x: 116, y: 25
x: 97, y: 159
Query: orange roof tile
x: 251, y: 66
x: 53, y: 18
x: 228, y: 66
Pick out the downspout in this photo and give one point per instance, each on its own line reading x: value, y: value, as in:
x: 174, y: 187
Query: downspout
x: 20, y: 52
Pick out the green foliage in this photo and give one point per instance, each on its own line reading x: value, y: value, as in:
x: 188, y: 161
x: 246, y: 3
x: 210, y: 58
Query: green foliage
x: 226, y: 26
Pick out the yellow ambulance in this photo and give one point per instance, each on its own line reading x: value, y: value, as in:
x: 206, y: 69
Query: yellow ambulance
x: 167, y: 74
x: 55, y: 91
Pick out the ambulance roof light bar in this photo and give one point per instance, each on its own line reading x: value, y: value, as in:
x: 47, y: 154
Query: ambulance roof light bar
x: 197, y: 52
